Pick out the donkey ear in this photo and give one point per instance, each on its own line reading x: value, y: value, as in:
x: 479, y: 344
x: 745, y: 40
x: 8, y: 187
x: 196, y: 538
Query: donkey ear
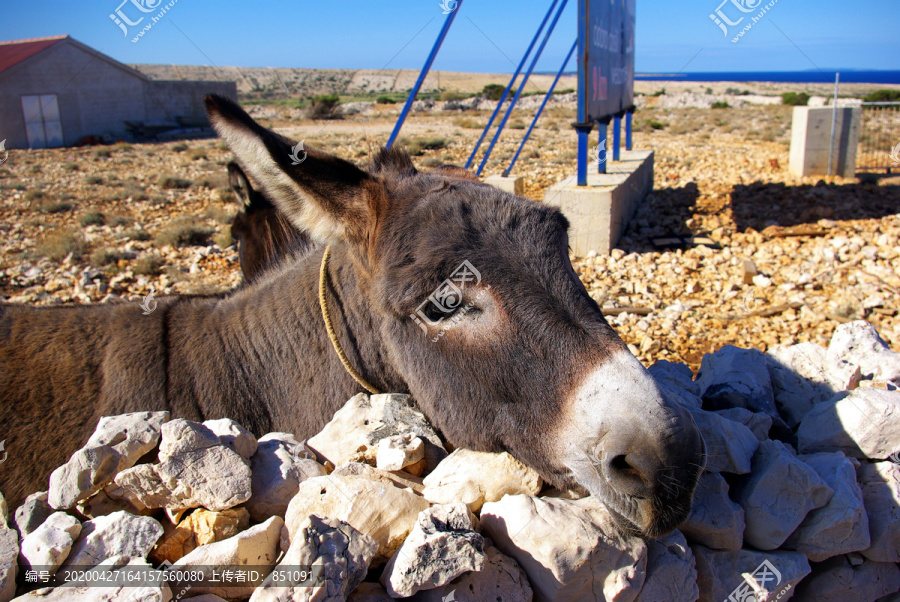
x: 240, y: 185
x: 328, y: 197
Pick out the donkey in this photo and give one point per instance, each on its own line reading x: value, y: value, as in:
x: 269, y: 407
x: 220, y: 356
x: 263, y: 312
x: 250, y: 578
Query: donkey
x: 264, y: 236
x: 437, y: 286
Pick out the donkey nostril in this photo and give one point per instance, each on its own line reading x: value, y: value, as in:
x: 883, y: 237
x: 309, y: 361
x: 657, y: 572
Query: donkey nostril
x: 626, y: 476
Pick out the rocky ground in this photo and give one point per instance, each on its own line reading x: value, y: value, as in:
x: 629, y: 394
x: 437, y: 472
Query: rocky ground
x: 85, y: 225
x: 800, y: 498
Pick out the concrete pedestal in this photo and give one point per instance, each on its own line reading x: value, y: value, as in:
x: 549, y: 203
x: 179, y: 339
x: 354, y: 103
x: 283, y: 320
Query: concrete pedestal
x: 511, y: 184
x: 599, y: 212
x: 811, y: 141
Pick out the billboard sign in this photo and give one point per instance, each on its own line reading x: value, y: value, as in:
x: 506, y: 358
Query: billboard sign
x: 606, y: 71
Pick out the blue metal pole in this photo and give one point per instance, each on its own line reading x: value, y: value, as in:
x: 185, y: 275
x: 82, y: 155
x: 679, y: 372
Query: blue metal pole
x: 431, y: 56
x: 583, y: 127
x: 617, y: 137
x: 628, y: 118
x: 541, y: 109
x: 510, y: 84
x: 515, y: 99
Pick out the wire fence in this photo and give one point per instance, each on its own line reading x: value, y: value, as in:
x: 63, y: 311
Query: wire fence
x: 879, y: 138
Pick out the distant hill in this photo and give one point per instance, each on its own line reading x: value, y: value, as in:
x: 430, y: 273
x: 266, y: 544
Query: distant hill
x: 267, y: 82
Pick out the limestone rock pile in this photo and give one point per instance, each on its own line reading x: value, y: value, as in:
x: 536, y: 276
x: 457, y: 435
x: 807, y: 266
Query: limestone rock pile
x: 800, y: 498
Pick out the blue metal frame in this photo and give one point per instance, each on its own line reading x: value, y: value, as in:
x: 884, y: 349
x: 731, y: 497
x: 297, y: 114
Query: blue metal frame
x: 509, y: 86
x: 431, y: 56
x: 583, y: 127
x: 515, y: 99
x: 628, y: 118
x: 541, y: 109
x: 617, y: 137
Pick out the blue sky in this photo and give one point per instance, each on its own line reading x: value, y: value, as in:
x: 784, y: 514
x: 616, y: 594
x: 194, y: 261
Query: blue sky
x: 488, y: 35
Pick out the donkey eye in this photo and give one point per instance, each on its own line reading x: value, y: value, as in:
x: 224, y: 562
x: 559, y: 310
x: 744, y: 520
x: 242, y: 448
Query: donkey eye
x: 436, y: 314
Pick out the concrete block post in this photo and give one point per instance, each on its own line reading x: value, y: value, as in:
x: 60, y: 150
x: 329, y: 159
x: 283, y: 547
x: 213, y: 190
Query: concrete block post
x: 811, y: 141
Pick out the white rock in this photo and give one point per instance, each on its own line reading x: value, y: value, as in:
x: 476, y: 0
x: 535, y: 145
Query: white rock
x: 864, y: 423
x: 570, y: 549
x: 9, y: 566
x: 676, y: 381
x: 441, y: 546
x: 800, y: 379
x: 729, y: 445
x: 48, y: 545
x: 715, y: 520
x: 778, y: 495
x: 132, y: 435
x: 841, y: 525
x: 501, y: 579
x: 671, y: 574
x: 723, y: 573
x: 192, y: 474
x: 736, y: 378
x: 117, y: 534
x: 840, y: 580
x: 384, y: 512
x: 758, y: 422
x: 399, y: 451
x: 233, y: 436
x: 181, y: 436
x: 400, y: 479
x: 87, y: 472
x: 365, y: 420
x: 256, y: 547
x: 858, y: 343
x: 277, y: 468
x: 880, y: 484
x: 339, y: 554
x: 32, y: 513
x: 475, y: 477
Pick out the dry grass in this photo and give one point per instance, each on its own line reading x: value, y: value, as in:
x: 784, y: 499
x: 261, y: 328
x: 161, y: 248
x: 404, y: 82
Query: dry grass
x: 183, y: 232
x: 57, y: 245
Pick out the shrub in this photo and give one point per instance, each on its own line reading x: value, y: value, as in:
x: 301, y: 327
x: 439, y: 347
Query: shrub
x: 223, y: 238
x: 451, y: 95
x: 385, y: 100
x: 103, y: 153
x: 70, y: 166
x: 173, y: 182
x: 418, y: 146
x: 794, y: 99
x: 122, y: 146
x: 883, y: 96
x: 467, y: 122
x: 657, y: 125
x: 183, y: 232
x: 138, y: 234
x: 323, y: 106
x: 517, y: 124
x: 119, y: 220
x: 104, y: 257
x: 495, y: 91
x: 180, y: 147
x: 148, y: 265
x: 93, y: 180
x: 92, y: 218
x: 721, y: 104
x: 56, y: 246
x: 197, y: 154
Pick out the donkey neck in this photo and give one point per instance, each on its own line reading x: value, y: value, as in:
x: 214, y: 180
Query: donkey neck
x: 276, y: 350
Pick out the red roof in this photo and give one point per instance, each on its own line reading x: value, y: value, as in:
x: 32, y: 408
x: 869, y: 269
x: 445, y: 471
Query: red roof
x: 13, y: 53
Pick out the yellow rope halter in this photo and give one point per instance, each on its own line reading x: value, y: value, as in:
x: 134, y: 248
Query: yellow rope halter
x: 323, y: 303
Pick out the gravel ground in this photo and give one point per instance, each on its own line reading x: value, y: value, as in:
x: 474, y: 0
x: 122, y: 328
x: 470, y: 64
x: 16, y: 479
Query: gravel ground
x: 82, y: 225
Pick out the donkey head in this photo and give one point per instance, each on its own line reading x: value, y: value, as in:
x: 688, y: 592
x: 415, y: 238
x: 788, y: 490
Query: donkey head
x: 264, y: 235
x: 482, y: 314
